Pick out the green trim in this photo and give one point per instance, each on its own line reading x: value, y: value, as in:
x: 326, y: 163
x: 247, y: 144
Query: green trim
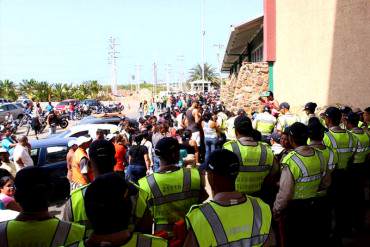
x: 271, y: 76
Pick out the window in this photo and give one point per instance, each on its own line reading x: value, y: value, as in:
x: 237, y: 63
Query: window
x: 56, y: 154
x: 35, y: 155
x: 11, y: 107
x: 81, y: 133
x: 257, y: 54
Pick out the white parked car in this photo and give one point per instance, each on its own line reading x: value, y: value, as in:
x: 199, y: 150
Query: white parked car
x: 89, y: 130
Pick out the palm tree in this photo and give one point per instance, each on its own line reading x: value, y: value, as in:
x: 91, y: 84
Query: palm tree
x: 8, y: 90
x: 209, y: 74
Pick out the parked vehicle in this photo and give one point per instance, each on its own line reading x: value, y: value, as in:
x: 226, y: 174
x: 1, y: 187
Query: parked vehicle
x: 2, y: 101
x: 88, y: 130
x: 63, y: 105
x: 11, y: 108
x: 110, y: 119
x: 24, y: 102
x: 90, y: 102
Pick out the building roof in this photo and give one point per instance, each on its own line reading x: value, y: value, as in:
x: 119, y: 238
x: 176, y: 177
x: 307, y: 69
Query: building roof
x: 240, y: 36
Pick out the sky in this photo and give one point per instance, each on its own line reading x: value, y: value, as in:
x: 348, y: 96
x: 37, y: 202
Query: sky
x: 67, y: 40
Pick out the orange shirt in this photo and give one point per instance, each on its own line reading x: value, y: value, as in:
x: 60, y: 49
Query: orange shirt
x: 120, y: 157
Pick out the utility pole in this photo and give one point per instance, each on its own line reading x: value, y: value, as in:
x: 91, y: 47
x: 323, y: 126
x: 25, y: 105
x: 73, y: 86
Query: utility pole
x: 112, y: 60
x: 155, y: 79
x: 180, y: 79
x: 203, y: 38
x: 219, y: 47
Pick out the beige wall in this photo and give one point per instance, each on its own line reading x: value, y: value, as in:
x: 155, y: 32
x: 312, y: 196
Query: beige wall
x: 323, y: 52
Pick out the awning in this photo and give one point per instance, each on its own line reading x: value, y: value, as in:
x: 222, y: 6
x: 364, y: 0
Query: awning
x: 239, y: 37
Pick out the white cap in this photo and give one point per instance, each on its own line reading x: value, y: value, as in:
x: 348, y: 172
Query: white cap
x: 83, y: 139
x: 3, y: 150
x: 72, y: 142
x: 110, y: 136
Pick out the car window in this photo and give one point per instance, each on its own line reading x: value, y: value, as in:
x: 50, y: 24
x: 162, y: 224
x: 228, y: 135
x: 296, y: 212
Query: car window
x: 81, y: 133
x: 56, y: 154
x: 3, y: 107
x: 35, y: 155
x: 11, y: 107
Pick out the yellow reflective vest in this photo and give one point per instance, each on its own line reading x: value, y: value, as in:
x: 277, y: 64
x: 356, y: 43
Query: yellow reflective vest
x: 51, y: 232
x: 170, y: 195
x: 344, y: 143
x: 307, y: 172
x: 243, y: 224
x: 363, y: 145
x: 255, y: 164
x: 141, y: 240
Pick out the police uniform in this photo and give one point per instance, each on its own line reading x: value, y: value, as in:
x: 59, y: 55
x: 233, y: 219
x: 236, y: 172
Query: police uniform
x: 243, y: 224
x: 51, y: 232
x: 255, y: 164
x: 286, y: 120
x: 169, y: 195
x: 264, y: 123
x: 141, y: 240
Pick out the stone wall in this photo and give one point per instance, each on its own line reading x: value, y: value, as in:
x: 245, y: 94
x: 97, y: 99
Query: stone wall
x: 243, y: 90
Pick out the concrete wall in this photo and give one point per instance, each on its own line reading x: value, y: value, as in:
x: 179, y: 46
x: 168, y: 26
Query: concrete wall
x: 322, y: 52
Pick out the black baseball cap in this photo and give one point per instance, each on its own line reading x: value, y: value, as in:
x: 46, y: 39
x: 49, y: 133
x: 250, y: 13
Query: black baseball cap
x: 333, y: 113
x: 101, y: 149
x: 222, y: 162
x: 298, y: 130
x: 166, y: 146
x: 284, y: 105
x: 276, y: 137
x: 353, y: 118
x: 311, y: 106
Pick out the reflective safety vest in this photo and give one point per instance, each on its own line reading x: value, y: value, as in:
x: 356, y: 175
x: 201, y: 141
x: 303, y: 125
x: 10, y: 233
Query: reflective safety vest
x: 287, y: 120
x: 331, y: 161
x: 222, y: 122
x: 265, y: 123
x: 170, y: 195
x: 363, y: 145
x: 51, y: 232
x: 243, y: 224
x: 307, y: 172
x: 141, y: 240
x: 344, y: 143
x: 74, y: 210
x: 255, y: 165
x: 77, y: 176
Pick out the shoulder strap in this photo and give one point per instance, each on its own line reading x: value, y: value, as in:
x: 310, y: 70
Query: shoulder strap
x: 332, y: 139
x: 154, y: 186
x: 61, y: 233
x: 3, y: 234
x: 300, y: 164
x: 263, y: 156
x: 215, y: 223
x: 236, y: 150
x: 257, y: 217
x: 186, y: 180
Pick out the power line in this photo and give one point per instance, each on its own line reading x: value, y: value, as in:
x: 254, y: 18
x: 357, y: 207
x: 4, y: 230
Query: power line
x: 112, y: 56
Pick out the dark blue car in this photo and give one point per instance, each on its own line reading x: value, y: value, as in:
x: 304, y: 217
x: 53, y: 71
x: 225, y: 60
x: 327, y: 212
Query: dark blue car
x: 51, y: 154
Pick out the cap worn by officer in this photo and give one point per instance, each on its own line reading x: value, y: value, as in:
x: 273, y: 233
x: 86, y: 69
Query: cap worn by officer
x: 223, y: 163
x: 284, y: 105
x: 275, y: 137
x: 101, y: 153
x: 353, y: 118
x: 299, y: 132
x: 310, y: 106
x: 166, y: 147
x: 333, y: 113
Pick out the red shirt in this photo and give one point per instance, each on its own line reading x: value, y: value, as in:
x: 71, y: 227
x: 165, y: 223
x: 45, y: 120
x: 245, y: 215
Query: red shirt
x: 120, y: 157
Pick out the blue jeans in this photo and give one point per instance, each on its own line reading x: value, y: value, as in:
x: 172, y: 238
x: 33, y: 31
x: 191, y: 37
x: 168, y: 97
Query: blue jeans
x: 155, y: 163
x: 210, y: 144
x: 135, y: 172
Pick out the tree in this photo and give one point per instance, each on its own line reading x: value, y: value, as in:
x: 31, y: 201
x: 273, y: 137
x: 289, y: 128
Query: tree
x: 8, y: 90
x: 209, y: 74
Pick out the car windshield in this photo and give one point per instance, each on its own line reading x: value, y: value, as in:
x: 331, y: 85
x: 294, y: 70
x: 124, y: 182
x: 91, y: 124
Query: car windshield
x: 63, y: 103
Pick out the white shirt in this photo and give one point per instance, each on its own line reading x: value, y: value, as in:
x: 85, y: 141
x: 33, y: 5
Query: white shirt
x: 21, y: 152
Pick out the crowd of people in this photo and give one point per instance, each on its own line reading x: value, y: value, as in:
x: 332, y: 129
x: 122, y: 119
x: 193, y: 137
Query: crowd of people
x: 193, y: 173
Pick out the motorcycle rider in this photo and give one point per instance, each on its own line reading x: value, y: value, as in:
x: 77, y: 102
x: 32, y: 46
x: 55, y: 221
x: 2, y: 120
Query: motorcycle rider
x: 52, y: 121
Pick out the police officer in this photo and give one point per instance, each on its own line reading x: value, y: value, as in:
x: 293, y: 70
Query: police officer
x: 265, y: 123
x: 302, y: 173
x: 358, y: 170
x: 108, y: 208
x: 172, y: 190
x: 34, y: 226
x: 286, y: 118
x: 256, y: 159
x: 231, y: 217
x: 345, y: 144
x: 221, y: 123
x: 309, y: 109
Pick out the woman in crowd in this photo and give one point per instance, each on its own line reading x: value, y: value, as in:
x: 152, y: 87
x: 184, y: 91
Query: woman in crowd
x: 210, y: 132
x: 120, y: 156
x: 7, y: 193
x: 138, y: 159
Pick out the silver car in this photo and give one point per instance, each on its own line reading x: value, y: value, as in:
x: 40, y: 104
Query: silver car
x: 15, y: 110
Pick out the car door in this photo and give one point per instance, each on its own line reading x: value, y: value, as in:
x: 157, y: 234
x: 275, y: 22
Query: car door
x: 13, y: 110
x: 3, y: 109
x: 55, y: 160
